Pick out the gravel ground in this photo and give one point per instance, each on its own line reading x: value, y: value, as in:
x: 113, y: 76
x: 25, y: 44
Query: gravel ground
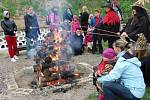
x: 76, y: 93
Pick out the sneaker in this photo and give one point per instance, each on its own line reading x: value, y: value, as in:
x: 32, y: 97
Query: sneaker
x: 13, y: 59
x: 16, y: 57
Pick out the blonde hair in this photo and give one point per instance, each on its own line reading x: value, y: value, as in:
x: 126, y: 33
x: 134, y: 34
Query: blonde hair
x: 84, y: 9
x: 98, y: 10
x: 122, y: 44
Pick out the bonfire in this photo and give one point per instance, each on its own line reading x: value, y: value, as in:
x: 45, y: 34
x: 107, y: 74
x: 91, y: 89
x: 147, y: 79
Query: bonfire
x: 53, y: 66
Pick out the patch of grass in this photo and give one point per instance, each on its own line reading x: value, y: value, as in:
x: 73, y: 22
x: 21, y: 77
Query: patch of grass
x: 93, y: 96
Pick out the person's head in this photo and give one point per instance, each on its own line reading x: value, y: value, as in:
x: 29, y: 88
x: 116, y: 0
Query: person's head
x: 108, y: 7
x: 109, y: 55
x: 115, y: 2
x: 75, y: 18
x: 55, y: 10
x: 6, y: 14
x: 120, y: 45
x: 30, y: 10
x: 79, y: 31
x: 84, y: 9
x: 97, y: 12
x: 91, y: 16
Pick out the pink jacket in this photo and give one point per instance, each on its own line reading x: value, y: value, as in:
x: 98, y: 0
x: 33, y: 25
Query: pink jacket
x: 75, y: 24
x: 54, y: 21
x: 87, y: 39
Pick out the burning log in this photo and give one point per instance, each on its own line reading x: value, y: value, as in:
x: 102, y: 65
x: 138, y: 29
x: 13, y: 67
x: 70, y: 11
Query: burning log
x: 53, y: 62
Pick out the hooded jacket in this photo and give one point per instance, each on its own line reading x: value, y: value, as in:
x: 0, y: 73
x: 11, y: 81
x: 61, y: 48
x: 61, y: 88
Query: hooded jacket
x: 129, y: 74
x: 75, y: 24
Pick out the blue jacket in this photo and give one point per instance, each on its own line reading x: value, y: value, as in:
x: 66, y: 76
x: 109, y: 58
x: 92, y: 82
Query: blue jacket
x: 93, y: 21
x: 128, y: 72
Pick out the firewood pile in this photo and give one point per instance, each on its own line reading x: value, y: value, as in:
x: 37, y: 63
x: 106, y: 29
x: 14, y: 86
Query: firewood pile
x: 53, y: 67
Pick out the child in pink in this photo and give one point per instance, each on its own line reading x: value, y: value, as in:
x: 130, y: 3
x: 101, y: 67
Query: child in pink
x: 75, y: 24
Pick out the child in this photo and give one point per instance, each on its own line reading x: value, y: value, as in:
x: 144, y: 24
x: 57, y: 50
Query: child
x: 76, y: 42
x: 109, y: 58
x: 74, y: 24
x: 88, y: 41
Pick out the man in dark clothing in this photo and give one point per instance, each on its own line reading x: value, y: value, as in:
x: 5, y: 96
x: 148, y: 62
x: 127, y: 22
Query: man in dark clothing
x: 109, y: 26
x: 31, y: 29
x: 10, y: 29
x: 97, y: 20
x: 68, y: 15
x: 84, y: 19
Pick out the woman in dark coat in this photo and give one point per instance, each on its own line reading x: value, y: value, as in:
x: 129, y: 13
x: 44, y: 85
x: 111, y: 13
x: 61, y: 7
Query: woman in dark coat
x: 84, y: 19
x: 137, y: 30
x: 109, y: 26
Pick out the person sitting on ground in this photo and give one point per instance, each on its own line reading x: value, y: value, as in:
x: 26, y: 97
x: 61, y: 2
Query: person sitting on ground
x: 125, y: 80
x: 106, y: 65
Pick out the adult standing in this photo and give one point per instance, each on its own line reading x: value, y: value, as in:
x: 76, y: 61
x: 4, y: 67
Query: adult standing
x: 10, y: 28
x: 68, y: 14
x: 54, y: 19
x: 137, y: 30
x: 84, y: 19
x: 125, y: 80
x: 117, y: 9
x: 109, y: 26
x: 31, y: 30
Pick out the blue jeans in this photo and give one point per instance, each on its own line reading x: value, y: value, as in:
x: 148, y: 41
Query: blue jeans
x: 112, y: 90
x: 30, y: 45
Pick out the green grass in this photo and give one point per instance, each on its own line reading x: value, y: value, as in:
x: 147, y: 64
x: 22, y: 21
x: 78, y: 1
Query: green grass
x: 93, y: 96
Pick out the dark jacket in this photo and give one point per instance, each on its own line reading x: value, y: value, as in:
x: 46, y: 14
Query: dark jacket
x: 142, y: 26
x: 84, y: 19
x: 31, y: 21
x: 68, y: 15
x: 8, y: 26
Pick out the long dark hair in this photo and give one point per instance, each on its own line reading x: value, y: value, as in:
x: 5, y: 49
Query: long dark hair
x: 140, y: 12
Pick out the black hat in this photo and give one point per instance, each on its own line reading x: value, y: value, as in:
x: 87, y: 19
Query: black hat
x: 108, y: 4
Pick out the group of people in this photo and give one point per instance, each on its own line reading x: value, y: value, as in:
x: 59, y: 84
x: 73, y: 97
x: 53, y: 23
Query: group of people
x: 124, y: 70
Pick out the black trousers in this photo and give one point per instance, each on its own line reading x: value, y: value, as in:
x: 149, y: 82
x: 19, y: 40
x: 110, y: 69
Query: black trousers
x: 96, y: 38
x: 146, y: 69
x: 84, y: 28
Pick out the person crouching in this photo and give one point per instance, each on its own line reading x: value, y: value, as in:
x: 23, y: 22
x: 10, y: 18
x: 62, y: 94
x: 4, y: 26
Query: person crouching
x: 106, y: 65
x: 77, y: 42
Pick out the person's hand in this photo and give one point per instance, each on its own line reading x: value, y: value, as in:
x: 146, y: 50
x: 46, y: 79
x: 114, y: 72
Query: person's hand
x: 118, y: 33
x: 15, y: 32
x: 97, y: 73
x: 124, y: 34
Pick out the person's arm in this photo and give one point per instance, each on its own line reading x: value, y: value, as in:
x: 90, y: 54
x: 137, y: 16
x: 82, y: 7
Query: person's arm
x: 115, y: 73
x: 26, y: 22
x: 37, y: 25
x: 140, y: 27
x: 4, y: 27
x: 14, y: 26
